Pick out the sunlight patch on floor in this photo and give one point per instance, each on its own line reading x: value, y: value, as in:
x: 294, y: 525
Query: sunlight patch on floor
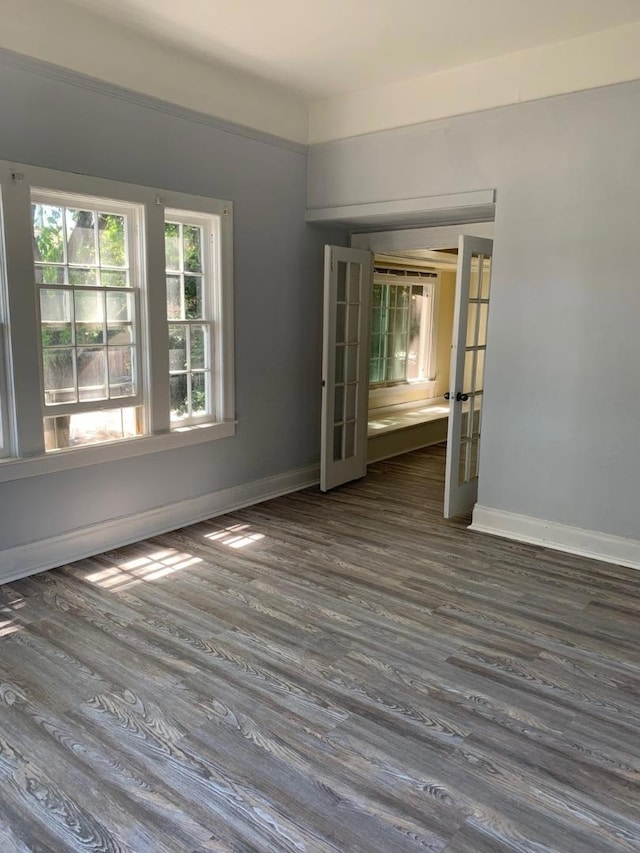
x: 236, y: 536
x: 151, y: 567
x: 8, y: 624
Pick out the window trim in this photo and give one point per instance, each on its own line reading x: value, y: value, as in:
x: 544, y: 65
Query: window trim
x: 23, y: 332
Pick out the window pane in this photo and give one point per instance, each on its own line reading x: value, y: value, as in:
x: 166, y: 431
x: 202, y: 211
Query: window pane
x: 469, y: 365
x: 479, y: 380
x: 111, y: 278
x: 352, y: 363
x: 198, y: 347
x: 415, y: 368
x: 337, y: 442
x: 462, y: 464
x: 198, y: 393
x: 350, y: 440
x: 56, y: 334
x: 120, y: 334
x: 81, y: 242
x: 55, y: 306
x: 179, y: 396
x: 354, y: 282
x: 339, y: 371
x: 49, y: 275
x: 59, y: 385
x: 177, y: 347
x: 174, y: 309
x: 121, y: 382
x: 482, y: 332
x: 338, y: 404
x: 92, y: 374
x: 89, y: 306
x: 48, y: 237
x: 353, y: 321
x: 376, y: 370
x: 91, y: 427
x: 341, y: 281
x: 89, y: 333
x: 172, y: 245
x: 111, y: 230
x: 119, y: 308
x: 82, y: 275
x: 340, y: 323
x: 351, y: 401
x: 193, y: 297
x: 192, y: 242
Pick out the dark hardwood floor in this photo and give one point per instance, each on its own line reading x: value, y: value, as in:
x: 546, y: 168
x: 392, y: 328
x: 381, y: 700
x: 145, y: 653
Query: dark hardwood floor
x: 340, y: 672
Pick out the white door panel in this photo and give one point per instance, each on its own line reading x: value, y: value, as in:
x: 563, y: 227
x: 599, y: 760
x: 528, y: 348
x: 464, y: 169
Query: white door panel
x: 345, y: 365
x: 468, y: 350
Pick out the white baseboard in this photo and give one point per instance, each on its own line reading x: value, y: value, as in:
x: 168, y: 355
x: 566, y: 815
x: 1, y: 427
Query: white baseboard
x: 23, y: 560
x: 560, y: 537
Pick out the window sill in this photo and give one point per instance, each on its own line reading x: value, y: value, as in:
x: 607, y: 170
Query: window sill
x: 80, y: 457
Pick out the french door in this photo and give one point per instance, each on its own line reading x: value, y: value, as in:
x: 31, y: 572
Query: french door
x: 468, y: 348
x: 345, y: 365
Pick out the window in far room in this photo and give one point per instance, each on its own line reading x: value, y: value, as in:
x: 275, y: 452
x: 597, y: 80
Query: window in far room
x: 402, y: 328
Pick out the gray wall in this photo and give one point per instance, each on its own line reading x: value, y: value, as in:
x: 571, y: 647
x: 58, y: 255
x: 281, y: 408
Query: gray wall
x: 51, y: 121
x: 562, y: 418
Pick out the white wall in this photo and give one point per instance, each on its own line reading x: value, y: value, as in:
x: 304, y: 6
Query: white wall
x: 61, y: 124
x: 562, y: 389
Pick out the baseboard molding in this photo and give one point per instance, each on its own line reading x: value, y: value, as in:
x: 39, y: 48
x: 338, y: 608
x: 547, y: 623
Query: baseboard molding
x: 23, y: 560
x: 560, y: 537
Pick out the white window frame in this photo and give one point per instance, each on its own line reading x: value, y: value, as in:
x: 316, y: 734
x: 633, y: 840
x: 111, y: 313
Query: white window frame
x: 427, y: 326
x: 29, y: 459
x: 136, y: 288
x: 212, y: 302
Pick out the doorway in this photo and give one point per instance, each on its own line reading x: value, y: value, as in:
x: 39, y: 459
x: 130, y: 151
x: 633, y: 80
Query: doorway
x: 395, y: 342
x: 412, y: 322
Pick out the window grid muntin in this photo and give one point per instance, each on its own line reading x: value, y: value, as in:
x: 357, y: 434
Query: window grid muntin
x: 206, y: 276
x: 97, y: 206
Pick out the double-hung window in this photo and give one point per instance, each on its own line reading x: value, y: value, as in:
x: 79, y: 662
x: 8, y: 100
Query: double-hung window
x: 87, y: 272
x: 116, y: 333
x: 402, y: 327
x: 191, y: 276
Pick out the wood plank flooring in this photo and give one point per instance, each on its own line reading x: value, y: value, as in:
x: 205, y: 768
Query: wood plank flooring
x: 346, y: 672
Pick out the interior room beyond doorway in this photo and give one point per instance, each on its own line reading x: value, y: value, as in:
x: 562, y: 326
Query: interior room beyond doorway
x: 412, y: 318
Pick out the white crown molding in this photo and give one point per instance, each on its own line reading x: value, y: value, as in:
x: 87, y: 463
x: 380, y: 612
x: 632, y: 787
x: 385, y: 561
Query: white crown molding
x: 150, y: 102
x: 560, y: 537
x: 23, y: 560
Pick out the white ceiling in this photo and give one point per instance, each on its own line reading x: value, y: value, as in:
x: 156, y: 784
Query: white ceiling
x: 323, y: 48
